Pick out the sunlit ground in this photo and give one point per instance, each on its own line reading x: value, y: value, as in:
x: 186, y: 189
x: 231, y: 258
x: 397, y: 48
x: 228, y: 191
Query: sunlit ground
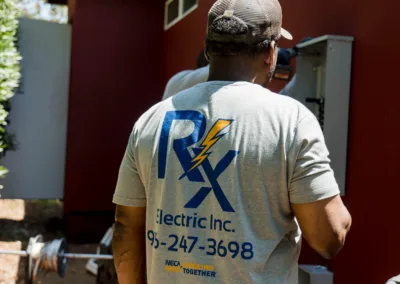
x: 9, y: 263
x: 12, y: 209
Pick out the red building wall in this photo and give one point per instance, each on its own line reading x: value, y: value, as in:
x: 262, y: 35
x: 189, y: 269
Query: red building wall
x: 115, y: 76
x: 372, y: 194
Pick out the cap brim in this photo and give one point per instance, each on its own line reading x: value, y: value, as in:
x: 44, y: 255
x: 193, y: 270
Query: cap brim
x: 286, y: 34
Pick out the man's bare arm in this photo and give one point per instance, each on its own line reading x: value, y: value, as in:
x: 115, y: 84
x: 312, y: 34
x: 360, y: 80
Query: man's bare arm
x: 324, y: 224
x: 129, y: 248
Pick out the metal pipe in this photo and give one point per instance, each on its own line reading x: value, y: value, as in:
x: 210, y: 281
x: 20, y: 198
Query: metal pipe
x: 66, y: 255
x: 87, y: 256
x: 14, y: 252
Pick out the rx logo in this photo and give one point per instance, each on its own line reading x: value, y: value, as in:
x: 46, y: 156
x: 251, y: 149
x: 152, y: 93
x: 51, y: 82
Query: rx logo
x: 191, y: 164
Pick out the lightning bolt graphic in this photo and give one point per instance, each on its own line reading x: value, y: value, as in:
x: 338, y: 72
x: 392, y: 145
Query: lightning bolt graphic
x: 212, y: 137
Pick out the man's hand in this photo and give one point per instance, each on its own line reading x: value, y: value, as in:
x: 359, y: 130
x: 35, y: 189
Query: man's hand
x: 129, y: 247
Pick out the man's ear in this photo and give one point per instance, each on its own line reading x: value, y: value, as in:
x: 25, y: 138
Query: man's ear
x: 271, y: 55
x: 206, y: 52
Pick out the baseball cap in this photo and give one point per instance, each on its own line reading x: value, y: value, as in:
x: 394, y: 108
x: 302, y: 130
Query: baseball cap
x: 245, y: 21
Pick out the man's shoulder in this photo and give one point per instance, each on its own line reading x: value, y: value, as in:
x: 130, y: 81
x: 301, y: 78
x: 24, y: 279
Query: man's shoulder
x: 295, y: 107
x: 178, y: 76
x: 287, y: 100
x: 200, y: 74
x: 264, y: 94
x: 263, y: 100
x: 184, y: 80
x: 148, y: 116
x: 174, y: 83
x: 394, y: 280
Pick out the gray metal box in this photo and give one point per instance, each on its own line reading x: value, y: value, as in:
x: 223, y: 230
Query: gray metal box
x: 323, y: 74
x: 314, y: 274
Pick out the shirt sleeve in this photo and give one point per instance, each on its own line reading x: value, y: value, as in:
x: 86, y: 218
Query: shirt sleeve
x: 130, y: 190
x: 289, y: 88
x: 312, y: 178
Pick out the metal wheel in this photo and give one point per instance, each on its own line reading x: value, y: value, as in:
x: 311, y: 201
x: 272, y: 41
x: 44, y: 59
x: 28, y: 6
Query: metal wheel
x: 52, y: 258
x: 62, y: 261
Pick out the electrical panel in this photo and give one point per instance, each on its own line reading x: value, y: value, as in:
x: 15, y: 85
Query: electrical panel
x: 323, y: 73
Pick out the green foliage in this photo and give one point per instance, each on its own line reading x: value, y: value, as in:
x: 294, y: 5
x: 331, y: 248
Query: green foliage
x: 9, y: 70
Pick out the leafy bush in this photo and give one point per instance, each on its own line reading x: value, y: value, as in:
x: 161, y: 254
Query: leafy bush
x: 9, y: 70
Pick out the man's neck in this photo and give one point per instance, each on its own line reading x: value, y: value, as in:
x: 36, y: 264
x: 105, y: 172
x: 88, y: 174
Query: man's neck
x: 231, y: 70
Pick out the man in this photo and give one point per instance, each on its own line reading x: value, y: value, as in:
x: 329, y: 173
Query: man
x: 394, y: 280
x: 217, y: 181
x: 188, y: 78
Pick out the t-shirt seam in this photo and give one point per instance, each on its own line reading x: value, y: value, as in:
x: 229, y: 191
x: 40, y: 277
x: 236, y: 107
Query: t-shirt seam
x: 130, y: 198
x: 297, y: 126
x: 294, y: 140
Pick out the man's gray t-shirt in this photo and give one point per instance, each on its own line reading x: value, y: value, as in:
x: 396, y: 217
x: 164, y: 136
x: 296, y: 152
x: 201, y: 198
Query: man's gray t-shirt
x: 217, y: 167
